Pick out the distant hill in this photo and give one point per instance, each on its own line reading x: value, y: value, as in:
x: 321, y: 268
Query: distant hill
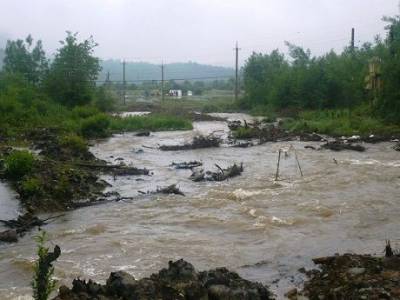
x: 141, y: 71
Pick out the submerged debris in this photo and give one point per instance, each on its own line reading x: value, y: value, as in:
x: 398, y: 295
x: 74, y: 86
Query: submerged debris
x: 171, y: 189
x: 242, y: 144
x: 143, y: 133
x: 311, y: 137
x: 220, y: 175
x: 179, y: 281
x: 187, y: 165
x: 234, y: 125
x: 261, y: 131
x: 18, y: 227
x: 341, y: 145
x: 198, y: 142
x: 310, y: 147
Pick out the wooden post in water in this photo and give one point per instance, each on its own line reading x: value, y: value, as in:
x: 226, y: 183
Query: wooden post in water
x: 298, y: 163
x: 277, y: 166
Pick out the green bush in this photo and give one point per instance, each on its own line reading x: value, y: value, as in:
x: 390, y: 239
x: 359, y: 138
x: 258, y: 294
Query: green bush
x: 30, y: 187
x: 82, y: 112
x: 18, y: 164
x: 73, y: 142
x: 95, y: 126
x: 104, y: 101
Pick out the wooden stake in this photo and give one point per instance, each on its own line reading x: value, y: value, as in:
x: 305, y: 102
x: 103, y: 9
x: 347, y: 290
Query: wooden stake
x: 277, y: 166
x: 298, y: 163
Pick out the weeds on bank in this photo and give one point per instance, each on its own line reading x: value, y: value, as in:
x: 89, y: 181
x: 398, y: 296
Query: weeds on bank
x: 43, y: 283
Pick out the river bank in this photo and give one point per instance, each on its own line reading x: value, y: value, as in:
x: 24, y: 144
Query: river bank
x: 254, y: 225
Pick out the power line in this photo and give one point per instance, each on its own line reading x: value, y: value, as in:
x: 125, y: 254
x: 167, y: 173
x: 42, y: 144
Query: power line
x: 175, y: 79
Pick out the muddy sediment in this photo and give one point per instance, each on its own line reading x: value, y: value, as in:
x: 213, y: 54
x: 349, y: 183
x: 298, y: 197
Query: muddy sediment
x: 352, y: 276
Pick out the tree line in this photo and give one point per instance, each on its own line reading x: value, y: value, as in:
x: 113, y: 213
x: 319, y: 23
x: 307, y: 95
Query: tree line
x: 68, y: 79
x: 366, y: 76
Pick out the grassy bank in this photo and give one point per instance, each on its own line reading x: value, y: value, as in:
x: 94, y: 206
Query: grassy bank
x: 184, y: 105
x: 153, y: 122
x: 340, y: 122
x: 18, y: 118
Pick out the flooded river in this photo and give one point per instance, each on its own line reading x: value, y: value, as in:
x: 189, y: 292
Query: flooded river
x: 263, y: 229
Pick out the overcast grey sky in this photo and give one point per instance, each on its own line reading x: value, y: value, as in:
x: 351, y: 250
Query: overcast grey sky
x: 199, y: 30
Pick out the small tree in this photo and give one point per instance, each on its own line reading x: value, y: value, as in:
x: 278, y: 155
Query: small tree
x: 73, y: 73
x: 43, y: 283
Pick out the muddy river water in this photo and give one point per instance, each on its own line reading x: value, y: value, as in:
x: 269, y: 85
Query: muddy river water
x: 264, y: 230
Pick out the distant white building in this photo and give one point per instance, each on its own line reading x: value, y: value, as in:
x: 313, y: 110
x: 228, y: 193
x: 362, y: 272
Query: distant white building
x: 189, y: 93
x: 175, y: 93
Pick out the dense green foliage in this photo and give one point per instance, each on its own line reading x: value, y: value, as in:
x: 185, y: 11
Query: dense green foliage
x: 95, y: 126
x: 22, y: 58
x: 18, y: 164
x: 73, y: 142
x: 332, y: 81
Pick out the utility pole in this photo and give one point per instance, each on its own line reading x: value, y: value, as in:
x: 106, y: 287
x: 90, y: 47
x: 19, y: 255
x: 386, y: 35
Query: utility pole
x: 108, y: 78
x: 236, y: 72
x: 352, y: 40
x: 123, y: 82
x: 162, y: 81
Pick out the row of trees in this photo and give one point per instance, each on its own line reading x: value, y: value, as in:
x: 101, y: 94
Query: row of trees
x: 69, y: 78
x: 329, y: 81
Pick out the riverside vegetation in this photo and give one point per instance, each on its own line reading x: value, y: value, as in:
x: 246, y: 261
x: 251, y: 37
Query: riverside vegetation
x: 352, y: 92
x: 54, y: 108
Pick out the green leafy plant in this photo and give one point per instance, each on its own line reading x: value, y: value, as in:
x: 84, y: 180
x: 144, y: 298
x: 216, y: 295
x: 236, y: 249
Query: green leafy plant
x: 95, y: 126
x: 74, y: 143
x: 43, y: 283
x: 30, y: 187
x: 19, y: 164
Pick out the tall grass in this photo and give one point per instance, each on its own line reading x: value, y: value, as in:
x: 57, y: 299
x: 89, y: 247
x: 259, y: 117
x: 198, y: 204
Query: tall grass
x: 152, y: 122
x: 340, y: 122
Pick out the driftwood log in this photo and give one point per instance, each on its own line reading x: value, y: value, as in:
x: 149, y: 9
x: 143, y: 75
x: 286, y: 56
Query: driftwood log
x: 341, y: 145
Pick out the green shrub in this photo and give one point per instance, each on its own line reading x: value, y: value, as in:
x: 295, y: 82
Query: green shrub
x: 95, y: 126
x: 104, y: 101
x: 86, y: 111
x: 19, y: 164
x: 74, y: 143
x: 30, y: 187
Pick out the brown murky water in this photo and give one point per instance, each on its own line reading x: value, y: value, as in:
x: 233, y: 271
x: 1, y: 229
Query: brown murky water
x: 263, y: 229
